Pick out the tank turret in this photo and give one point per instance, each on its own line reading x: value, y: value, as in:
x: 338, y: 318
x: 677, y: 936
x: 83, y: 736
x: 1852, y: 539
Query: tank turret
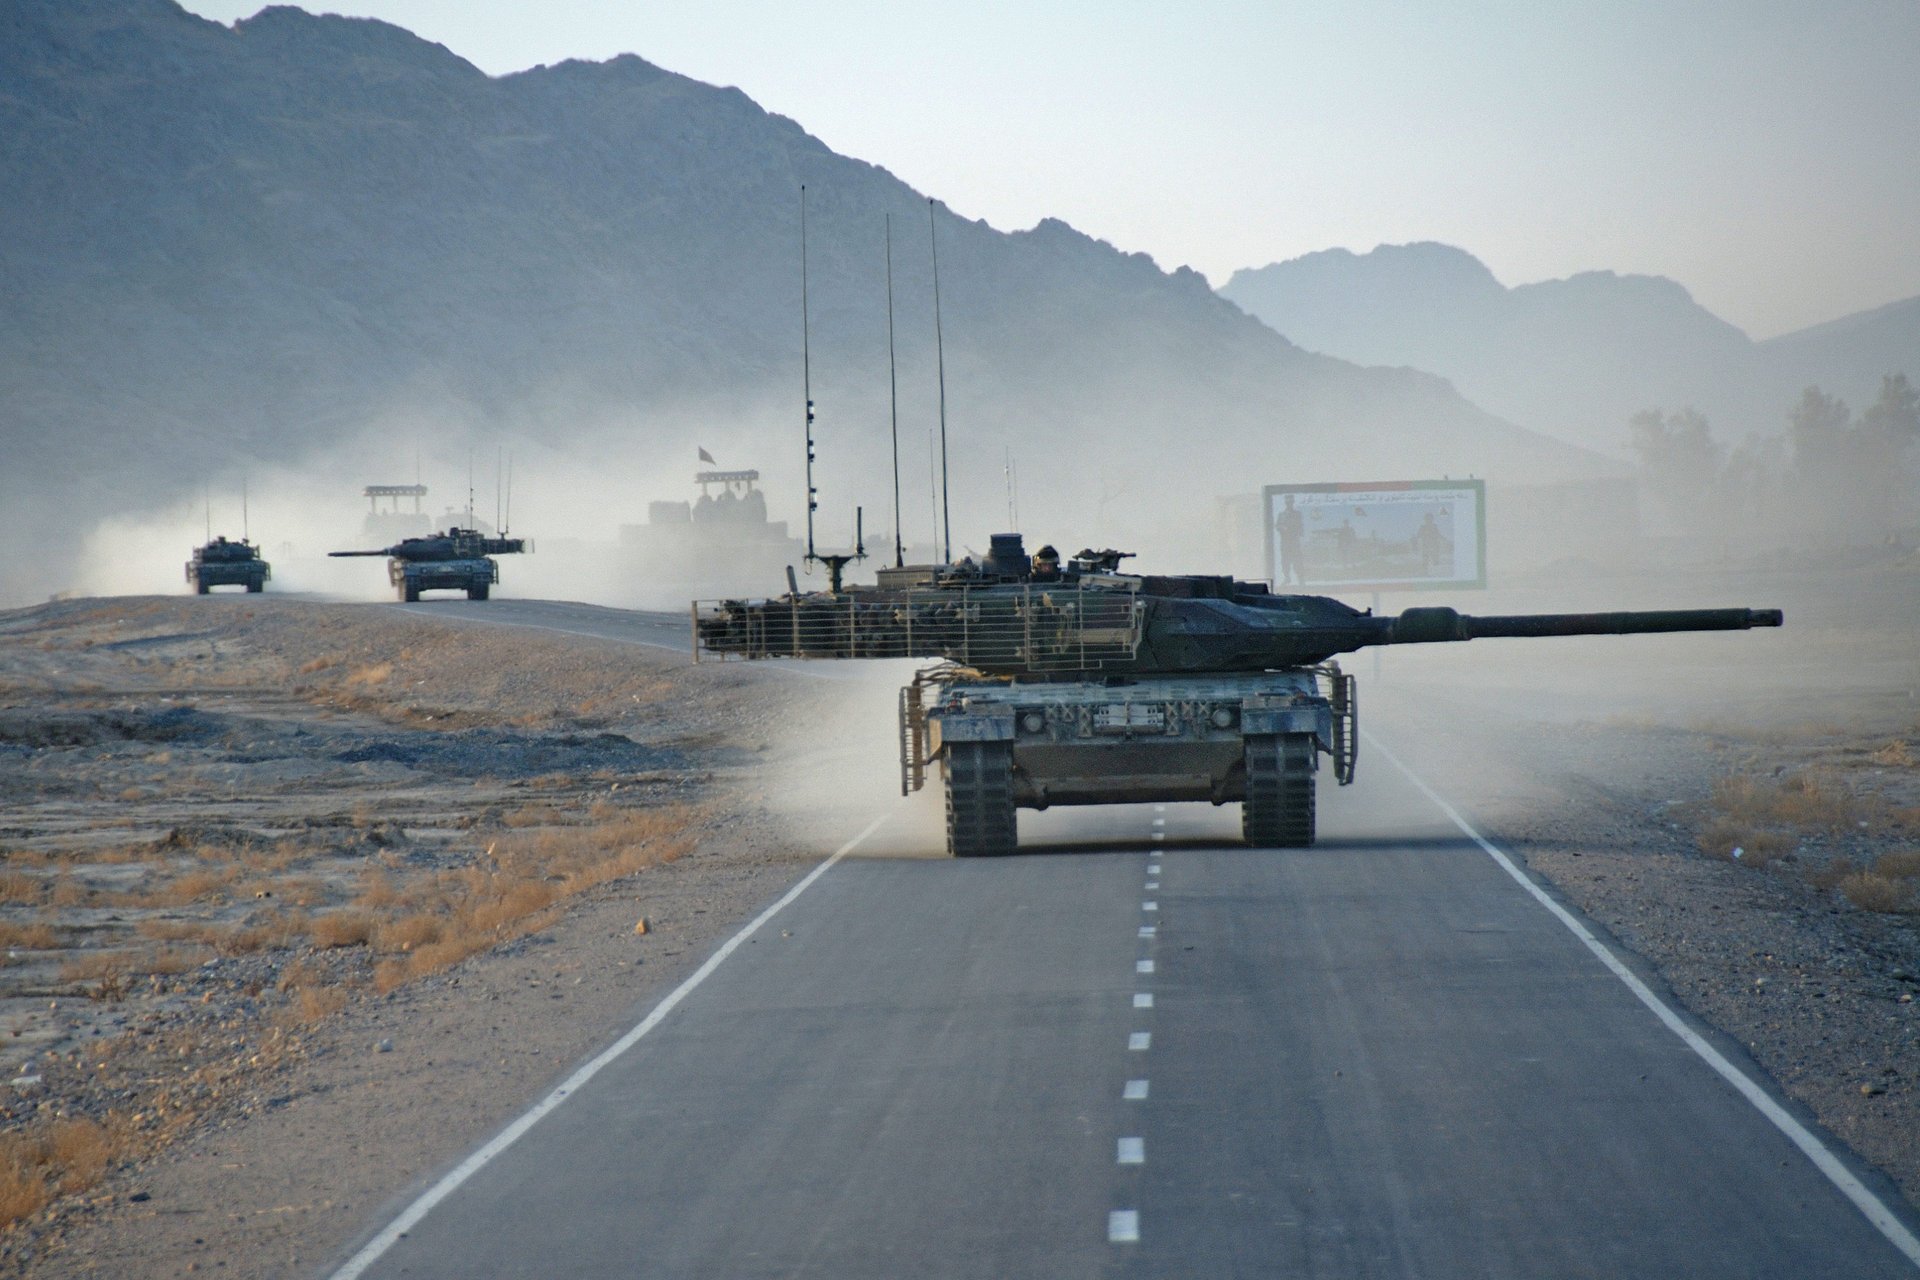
x: 1001, y: 616
x: 457, y: 560
x: 1081, y: 684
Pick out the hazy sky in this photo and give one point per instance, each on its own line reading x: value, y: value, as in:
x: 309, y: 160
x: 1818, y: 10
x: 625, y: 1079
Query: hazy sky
x: 1765, y: 153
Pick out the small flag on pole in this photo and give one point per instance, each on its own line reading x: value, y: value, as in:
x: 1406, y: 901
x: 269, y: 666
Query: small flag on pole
x: 705, y: 456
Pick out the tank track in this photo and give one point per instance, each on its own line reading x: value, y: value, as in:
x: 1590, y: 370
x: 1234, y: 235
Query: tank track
x: 1278, y: 812
x: 980, y: 812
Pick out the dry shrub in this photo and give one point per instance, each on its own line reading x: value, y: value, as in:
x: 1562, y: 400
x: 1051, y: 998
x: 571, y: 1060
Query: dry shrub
x: 23, y: 1185
x: 1831, y: 875
x: 65, y: 1157
x: 409, y: 932
x: 1871, y: 892
x: 1809, y: 800
x: 30, y: 937
x: 191, y: 887
x: 1901, y: 864
x: 1757, y: 848
x: 341, y: 929
x: 96, y: 966
x: 68, y: 892
x: 377, y: 890
x: 1906, y: 817
x: 17, y: 887
x: 531, y: 815
x: 174, y: 930
x: 169, y: 960
x: 1895, y: 754
x: 378, y: 673
x: 318, y: 664
x: 264, y: 930
x: 80, y: 1150
x: 311, y: 1004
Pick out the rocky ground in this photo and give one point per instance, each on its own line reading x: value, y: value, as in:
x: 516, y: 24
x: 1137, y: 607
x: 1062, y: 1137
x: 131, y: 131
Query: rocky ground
x: 298, y: 899
x: 302, y: 900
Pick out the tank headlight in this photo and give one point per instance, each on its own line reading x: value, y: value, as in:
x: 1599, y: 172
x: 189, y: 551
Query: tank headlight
x: 1222, y: 717
x: 1032, y: 722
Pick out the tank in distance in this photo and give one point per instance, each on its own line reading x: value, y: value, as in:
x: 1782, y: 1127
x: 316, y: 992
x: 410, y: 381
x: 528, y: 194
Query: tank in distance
x: 457, y: 560
x: 221, y: 562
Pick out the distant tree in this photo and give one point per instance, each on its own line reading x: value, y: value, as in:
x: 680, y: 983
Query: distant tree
x: 1680, y: 464
x: 1850, y: 479
x: 1890, y: 431
x: 1897, y: 411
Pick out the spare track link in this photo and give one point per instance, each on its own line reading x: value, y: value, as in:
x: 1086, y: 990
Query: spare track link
x: 1278, y: 811
x: 980, y: 813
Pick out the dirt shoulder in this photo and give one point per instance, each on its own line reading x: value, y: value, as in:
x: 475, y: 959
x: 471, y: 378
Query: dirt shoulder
x: 302, y: 900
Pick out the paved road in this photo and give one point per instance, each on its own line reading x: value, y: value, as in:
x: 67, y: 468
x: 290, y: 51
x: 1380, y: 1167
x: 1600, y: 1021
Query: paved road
x: 1139, y: 1050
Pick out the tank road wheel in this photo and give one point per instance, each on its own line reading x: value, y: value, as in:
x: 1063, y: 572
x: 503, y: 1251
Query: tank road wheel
x: 409, y: 593
x: 477, y: 591
x: 200, y: 588
x: 1278, y: 812
x: 255, y: 587
x: 980, y: 821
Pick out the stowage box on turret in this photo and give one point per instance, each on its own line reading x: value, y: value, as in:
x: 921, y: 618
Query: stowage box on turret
x: 1079, y: 684
x: 457, y: 560
x: 220, y: 563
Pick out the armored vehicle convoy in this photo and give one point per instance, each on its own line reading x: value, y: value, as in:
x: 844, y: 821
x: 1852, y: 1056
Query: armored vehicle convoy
x: 220, y: 563
x: 457, y: 560
x: 1080, y: 684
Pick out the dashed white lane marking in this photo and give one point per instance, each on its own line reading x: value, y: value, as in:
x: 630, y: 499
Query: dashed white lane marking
x: 1829, y: 1164
x: 1149, y: 906
x: 1147, y: 931
x: 1153, y: 884
x: 1159, y: 835
x: 1131, y: 1151
x: 1143, y: 999
x: 1140, y: 1041
x: 1153, y: 868
x: 1143, y: 966
x: 1123, y: 1227
x: 1136, y: 1091
x: 410, y: 1217
x: 1159, y: 822
x: 1159, y: 808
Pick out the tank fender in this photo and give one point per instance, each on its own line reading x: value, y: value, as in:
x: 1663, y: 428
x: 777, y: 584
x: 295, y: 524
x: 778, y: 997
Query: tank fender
x: 1316, y: 720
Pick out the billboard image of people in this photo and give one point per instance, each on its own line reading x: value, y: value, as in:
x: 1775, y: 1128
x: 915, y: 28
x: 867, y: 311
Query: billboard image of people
x: 1399, y: 535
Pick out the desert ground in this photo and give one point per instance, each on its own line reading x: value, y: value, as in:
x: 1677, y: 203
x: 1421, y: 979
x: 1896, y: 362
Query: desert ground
x: 301, y: 900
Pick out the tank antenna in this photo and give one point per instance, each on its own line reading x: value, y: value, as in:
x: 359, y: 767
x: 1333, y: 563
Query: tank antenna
x: 806, y: 372
x: 207, y: 494
x: 499, y: 502
x: 244, y: 531
x: 940, y: 355
x: 469, y: 486
x: 506, y: 510
x: 893, y: 391
x: 1013, y: 506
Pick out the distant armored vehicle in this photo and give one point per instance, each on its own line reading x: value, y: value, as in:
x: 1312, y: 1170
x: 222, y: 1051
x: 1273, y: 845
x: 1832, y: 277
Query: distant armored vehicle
x: 721, y: 541
x: 1079, y: 684
x: 457, y: 560
x: 220, y: 563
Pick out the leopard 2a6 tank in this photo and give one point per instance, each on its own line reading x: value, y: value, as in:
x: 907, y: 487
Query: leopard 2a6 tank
x: 457, y: 560
x: 221, y: 563
x: 1080, y: 684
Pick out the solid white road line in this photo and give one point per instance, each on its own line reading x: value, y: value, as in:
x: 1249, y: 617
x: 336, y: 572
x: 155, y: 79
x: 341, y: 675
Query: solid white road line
x: 413, y: 1213
x: 1140, y: 1041
x: 1836, y: 1172
x: 1132, y: 1151
x: 1136, y: 1091
x: 1123, y: 1227
x: 1143, y: 999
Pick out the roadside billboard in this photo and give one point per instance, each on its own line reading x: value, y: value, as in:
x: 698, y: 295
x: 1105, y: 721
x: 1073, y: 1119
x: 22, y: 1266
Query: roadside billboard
x: 1394, y: 535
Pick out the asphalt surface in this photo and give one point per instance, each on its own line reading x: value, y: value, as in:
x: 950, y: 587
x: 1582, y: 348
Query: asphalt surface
x: 1137, y: 1049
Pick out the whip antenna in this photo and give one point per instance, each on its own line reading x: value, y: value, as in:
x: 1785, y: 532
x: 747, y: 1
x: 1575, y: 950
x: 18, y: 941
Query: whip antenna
x: 243, y: 509
x: 940, y: 354
x: 893, y: 390
x: 806, y: 373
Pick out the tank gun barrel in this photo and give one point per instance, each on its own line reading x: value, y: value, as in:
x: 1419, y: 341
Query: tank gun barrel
x: 384, y: 552
x: 1440, y: 625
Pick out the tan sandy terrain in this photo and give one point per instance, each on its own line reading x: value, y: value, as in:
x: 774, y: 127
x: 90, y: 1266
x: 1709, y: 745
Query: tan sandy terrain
x: 305, y: 900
